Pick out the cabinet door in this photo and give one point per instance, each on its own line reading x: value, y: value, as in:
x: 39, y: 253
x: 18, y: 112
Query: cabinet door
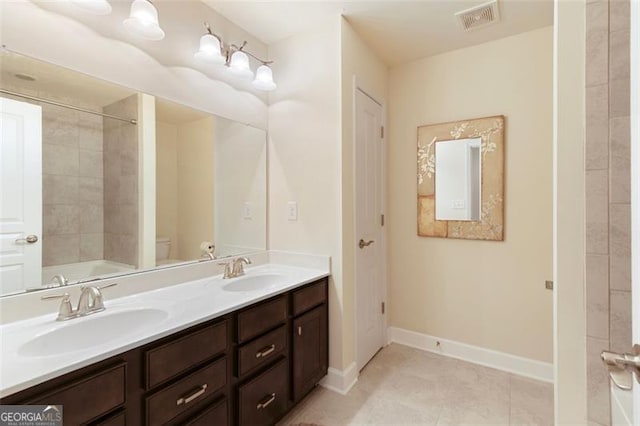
x: 310, y: 350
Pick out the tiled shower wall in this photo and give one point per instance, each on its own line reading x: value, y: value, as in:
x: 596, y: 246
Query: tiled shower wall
x: 121, y: 183
x: 608, y: 208
x: 71, y: 186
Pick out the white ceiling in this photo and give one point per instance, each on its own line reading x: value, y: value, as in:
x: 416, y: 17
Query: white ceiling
x: 398, y: 31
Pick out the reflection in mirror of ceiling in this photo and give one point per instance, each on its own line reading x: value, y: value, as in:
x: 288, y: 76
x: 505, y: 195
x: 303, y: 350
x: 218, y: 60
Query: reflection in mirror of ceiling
x: 56, y: 81
x: 398, y: 31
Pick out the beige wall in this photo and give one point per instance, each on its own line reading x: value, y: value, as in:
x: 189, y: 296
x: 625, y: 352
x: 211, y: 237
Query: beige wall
x: 167, y: 184
x: 360, y: 68
x: 304, y: 158
x: 489, y: 294
x: 195, y: 186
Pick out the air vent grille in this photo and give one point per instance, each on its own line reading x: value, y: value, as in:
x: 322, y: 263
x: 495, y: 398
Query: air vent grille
x: 479, y: 16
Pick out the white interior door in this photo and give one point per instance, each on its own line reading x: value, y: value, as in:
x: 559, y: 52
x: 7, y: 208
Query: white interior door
x: 368, y: 244
x: 21, y: 195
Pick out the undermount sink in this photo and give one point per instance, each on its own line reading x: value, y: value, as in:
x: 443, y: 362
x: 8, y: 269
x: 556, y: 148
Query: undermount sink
x: 254, y: 282
x: 97, y: 329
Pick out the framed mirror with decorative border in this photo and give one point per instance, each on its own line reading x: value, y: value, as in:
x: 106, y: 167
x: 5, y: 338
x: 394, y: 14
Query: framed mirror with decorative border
x: 490, y: 225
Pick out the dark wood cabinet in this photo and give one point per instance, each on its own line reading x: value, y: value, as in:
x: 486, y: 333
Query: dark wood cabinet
x: 310, y: 358
x: 169, y: 360
x: 248, y: 367
x: 88, y: 398
x: 310, y: 330
x: 264, y: 400
x: 217, y: 414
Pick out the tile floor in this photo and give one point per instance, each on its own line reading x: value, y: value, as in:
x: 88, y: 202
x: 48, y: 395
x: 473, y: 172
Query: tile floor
x: 402, y: 385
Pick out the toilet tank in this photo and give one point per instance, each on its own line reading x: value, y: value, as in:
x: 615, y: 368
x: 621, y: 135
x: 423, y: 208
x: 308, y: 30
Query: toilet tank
x: 163, y: 245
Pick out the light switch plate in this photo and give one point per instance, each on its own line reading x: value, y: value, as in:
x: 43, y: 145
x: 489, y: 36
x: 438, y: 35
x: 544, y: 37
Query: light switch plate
x: 292, y: 210
x: 246, y: 210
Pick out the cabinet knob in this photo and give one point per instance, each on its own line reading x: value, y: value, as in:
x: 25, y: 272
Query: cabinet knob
x: 299, y: 330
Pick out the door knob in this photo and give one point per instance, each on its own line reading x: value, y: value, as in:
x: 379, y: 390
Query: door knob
x: 29, y: 239
x: 622, y: 367
x: 362, y: 243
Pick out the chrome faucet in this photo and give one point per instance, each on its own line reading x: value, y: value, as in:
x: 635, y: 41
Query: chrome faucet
x: 208, y: 255
x: 57, y: 281
x: 61, y: 279
x: 238, y: 265
x: 235, y: 268
x: 90, y: 302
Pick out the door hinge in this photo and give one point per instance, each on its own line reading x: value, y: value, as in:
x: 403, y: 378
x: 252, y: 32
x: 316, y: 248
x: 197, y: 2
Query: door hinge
x: 382, y: 308
x: 381, y: 220
x: 381, y: 132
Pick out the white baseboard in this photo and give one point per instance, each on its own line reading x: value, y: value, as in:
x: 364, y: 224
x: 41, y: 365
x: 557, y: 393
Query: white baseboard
x: 341, y: 381
x: 489, y: 358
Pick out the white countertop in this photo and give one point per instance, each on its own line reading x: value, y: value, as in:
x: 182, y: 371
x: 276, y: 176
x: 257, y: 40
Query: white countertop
x: 182, y: 305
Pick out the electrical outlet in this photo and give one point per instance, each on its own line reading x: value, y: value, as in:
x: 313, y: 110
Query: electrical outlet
x: 246, y: 210
x: 292, y: 210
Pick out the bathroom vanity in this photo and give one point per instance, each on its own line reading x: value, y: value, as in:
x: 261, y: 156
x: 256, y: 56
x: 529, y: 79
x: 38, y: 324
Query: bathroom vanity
x: 247, y: 366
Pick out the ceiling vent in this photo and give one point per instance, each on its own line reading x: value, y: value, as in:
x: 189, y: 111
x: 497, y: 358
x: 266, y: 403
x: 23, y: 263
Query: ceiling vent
x: 479, y: 16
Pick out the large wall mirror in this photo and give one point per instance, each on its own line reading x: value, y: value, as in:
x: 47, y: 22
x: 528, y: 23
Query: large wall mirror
x: 138, y: 184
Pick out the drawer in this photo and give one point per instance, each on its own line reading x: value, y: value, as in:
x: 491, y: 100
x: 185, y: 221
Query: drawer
x: 258, y: 319
x: 310, y: 296
x: 89, y: 398
x: 262, y: 350
x: 263, y: 400
x: 167, y: 361
x: 174, y: 400
x: 217, y: 414
x: 119, y: 419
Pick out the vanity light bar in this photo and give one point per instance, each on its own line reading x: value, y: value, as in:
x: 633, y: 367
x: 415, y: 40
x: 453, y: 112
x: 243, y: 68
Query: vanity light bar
x: 88, y: 111
x: 214, y: 50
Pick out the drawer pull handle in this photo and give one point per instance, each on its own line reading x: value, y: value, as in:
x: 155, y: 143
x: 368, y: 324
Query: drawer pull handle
x: 266, y: 351
x: 269, y: 400
x: 187, y: 399
x: 299, y: 330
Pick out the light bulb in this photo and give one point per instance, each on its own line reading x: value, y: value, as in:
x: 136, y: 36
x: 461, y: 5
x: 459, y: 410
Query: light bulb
x: 99, y: 7
x: 143, y: 21
x: 239, y: 65
x: 210, y: 50
x: 264, y: 79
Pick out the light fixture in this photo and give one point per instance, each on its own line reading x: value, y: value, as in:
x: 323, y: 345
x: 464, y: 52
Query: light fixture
x: 98, y: 7
x: 210, y: 48
x: 214, y: 50
x: 264, y: 78
x: 239, y: 65
x: 143, y: 20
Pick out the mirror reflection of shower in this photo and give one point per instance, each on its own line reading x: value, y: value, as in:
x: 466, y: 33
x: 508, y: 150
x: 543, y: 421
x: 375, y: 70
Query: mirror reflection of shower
x: 89, y: 169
